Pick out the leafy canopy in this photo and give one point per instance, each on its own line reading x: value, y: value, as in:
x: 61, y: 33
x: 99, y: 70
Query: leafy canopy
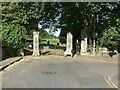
x: 14, y: 35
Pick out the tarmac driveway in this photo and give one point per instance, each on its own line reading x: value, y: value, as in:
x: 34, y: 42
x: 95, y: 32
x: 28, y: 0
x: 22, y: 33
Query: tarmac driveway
x: 58, y: 73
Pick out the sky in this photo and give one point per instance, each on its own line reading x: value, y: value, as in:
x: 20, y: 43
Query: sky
x: 57, y: 33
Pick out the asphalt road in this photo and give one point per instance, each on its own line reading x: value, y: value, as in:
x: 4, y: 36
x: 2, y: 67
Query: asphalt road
x: 58, y: 73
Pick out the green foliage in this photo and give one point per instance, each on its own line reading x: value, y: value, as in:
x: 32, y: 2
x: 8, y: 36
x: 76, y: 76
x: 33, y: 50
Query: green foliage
x: 72, y: 18
x: 13, y: 38
x: 43, y: 34
x: 98, y: 17
x: 28, y: 14
x: 69, y: 17
x: 111, y: 37
x: 53, y: 37
x: 109, y: 26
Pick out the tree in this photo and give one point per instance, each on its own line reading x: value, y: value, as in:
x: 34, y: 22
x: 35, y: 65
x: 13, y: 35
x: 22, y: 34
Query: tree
x: 111, y: 38
x: 91, y: 17
x: 109, y: 26
x: 13, y: 38
x: 77, y: 17
x: 69, y: 17
x: 20, y: 19
x: 43, y: 34
x: 28, y: 14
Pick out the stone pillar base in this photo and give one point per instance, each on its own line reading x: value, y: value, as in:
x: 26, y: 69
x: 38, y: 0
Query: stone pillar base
x: 84, y: 53
x: 68, y: 52
x: 36, y: 53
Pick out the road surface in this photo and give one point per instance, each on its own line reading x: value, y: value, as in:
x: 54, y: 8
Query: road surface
x: 58, y: 73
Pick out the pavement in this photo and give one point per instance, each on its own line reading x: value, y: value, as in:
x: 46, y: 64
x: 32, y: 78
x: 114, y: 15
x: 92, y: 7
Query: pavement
x: 82, y: 70
x: 7, y: 62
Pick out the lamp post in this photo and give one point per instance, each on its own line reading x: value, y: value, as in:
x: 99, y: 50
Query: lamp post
x: 94, y: 36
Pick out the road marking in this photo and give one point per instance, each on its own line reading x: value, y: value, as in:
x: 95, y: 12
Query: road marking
x: 116, y: 83
x: 106, y: 79
x: 109, y: 78
x: 110, y: 82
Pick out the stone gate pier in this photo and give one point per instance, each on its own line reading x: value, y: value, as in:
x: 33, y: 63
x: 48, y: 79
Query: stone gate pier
x: 36, y: 43
x: 69, y: 45
x: 83, y: 43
